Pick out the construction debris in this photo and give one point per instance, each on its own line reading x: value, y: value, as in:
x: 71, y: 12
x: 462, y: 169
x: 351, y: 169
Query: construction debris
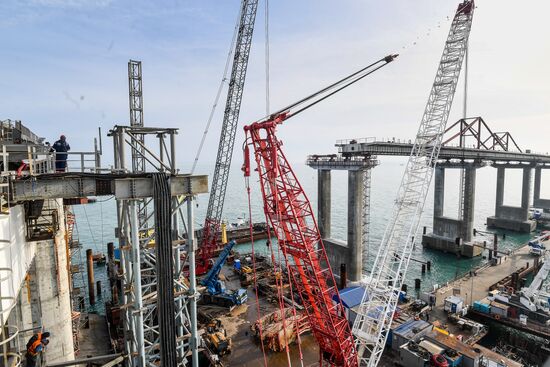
x: 277, y: 330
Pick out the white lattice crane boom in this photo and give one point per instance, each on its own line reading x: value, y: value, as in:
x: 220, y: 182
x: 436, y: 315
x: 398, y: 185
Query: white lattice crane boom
x: 383, y: 286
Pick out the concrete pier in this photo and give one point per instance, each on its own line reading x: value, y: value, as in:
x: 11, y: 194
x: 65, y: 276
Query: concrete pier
x: 539, y: 202
x: 454, y: 234
x: 510, y: 217
x: 43, y: 301
x: 50, y: 273
x: 324, y: 202
x: 349, y: 252
x: 355, y: 216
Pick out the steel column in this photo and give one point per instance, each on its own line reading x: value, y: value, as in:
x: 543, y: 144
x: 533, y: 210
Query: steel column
x: 193, y: 295
x: 138, y: 300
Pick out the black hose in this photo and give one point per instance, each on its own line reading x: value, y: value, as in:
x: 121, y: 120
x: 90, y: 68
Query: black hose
x: 164, y: 269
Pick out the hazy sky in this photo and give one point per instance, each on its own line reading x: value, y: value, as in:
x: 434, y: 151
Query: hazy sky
x: 64, y: 67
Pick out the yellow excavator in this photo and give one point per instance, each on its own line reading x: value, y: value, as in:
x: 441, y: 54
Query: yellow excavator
x: 216, y: 338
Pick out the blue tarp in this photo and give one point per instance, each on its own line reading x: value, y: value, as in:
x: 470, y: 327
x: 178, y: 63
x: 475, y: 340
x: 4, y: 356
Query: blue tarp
x: 351, y: 296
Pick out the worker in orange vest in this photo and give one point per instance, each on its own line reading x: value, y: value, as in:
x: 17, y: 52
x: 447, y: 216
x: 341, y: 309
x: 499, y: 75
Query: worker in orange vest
x: 35, y: 346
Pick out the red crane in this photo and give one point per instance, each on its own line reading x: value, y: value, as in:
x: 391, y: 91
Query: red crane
x: 289, y: 213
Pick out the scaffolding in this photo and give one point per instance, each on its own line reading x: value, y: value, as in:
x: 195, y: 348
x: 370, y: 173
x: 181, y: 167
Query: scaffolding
x: 137, y: 242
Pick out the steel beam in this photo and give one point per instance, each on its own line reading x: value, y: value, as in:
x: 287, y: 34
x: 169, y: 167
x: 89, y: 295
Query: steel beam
x: 349, y: 149
x: 123, y: 186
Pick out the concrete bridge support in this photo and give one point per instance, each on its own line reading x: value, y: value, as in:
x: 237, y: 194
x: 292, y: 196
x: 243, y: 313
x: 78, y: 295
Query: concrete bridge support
x: 43, y: 294
x: 452, y: 234
x: 324, y: 202
x: 355, y: 230
x: 510, y: 217
x: 349, y: 252
x: 539, y: 202
x: 343, y: 252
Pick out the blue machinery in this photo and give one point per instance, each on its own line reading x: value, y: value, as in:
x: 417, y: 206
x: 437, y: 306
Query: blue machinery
x: 217, y: 293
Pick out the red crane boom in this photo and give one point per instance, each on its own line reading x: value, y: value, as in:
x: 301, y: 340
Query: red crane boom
x: 290, y: 214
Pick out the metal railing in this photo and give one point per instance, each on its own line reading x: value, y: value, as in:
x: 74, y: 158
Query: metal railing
x: 82, y: 161
x: 393, y: 140
x: 370, y: 139
x: 39, y: 163
x: 341, y: 162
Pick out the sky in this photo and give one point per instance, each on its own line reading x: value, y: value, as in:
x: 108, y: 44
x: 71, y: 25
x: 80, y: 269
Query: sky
x: 64, y: 68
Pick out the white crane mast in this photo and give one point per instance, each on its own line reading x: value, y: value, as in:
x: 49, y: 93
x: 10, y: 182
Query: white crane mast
x: 382, y: 289
x: 535, y: 296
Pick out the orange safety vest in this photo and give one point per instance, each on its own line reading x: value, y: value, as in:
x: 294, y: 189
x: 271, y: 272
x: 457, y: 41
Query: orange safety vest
x: 32, y: 348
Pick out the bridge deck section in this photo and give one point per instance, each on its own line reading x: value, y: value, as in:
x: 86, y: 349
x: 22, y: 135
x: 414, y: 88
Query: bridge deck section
x: 375, y: 148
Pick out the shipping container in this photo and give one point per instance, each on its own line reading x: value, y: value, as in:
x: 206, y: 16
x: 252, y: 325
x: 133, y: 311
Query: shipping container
x: 408, y: 331
x: 454, y: 361
x: 499, y: 309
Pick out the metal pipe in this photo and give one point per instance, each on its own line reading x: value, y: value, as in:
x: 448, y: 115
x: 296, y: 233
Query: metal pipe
x: 91, y: 282
x: 165, y: 150
x: 118, y: 145
x: 115, y: 151
x: 4, y: 160
x: 161, y: 151
x: 138, y: 301
x: 178, y: 266
x: 100, y: 141
x: 192, y: 283
x: 97, y: 157
x: 173, y: 151
x: 121, y: 150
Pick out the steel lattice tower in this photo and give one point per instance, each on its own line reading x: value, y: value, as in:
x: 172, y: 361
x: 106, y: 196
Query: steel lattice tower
x: 229, y: 128
x: 135, y: 88
x: 136, y: 233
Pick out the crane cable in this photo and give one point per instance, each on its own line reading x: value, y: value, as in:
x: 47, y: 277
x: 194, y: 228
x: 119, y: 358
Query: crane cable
x: 267, y: 86
x: 247, y: 186
x: 279, y: 283
x: 277, y: 270
x: 219, y: 92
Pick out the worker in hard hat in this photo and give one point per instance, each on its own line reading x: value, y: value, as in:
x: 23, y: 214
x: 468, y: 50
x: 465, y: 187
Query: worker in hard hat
x: 61, y: 148
x: 35, y: 346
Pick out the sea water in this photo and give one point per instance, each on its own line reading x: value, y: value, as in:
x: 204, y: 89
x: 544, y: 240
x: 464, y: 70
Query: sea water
x: 96, y: 222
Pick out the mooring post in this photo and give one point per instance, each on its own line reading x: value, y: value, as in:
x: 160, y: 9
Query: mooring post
x: 91, y: 282
x: 343, y: 276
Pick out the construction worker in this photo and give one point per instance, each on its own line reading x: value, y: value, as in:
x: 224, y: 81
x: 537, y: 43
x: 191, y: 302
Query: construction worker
x: 35, y: 346
x: 61, y: 148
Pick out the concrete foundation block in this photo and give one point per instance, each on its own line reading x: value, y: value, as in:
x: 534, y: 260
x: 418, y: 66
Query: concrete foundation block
x: 448, y: 245
x: 337, y: 253
x: 526, y: 226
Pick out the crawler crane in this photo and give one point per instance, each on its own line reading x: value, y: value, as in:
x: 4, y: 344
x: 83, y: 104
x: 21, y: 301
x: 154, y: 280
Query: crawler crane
x: 378, y: 305
x: 212, y: 223
x: 290, y: 215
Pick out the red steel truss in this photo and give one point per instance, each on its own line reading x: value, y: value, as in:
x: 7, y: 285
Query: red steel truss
x: 290, y: 215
